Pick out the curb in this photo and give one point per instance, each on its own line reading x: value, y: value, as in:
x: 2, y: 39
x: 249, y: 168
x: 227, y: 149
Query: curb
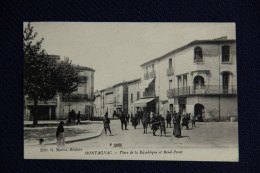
x: 80, y: 139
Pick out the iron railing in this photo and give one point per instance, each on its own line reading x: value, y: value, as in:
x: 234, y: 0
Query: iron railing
x: 83, y: 79
x: 75, y: 97
x: 149, y: 75
x: 202, y: 90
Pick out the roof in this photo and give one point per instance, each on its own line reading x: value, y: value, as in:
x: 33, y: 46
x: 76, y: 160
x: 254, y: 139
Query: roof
x: 214, y: 41
x: 134, y: 80
x: 85, y: 68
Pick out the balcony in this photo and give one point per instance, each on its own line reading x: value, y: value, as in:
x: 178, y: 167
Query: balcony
x: 202, y: 90
x: 74, y: 97
x: 149, y: 94
x: 149, y: 75
x: 50, y: 102
x: 169, y: 71
x: 83, y: 79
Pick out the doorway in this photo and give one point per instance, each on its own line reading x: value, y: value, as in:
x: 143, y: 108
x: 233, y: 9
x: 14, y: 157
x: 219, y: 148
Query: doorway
x: 225, y: 82
x: 199, y: 111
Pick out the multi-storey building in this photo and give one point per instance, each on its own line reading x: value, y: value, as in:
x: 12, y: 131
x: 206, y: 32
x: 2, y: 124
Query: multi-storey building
x: 133, y: 95
x: 58, y: 108
x: 199, y: 78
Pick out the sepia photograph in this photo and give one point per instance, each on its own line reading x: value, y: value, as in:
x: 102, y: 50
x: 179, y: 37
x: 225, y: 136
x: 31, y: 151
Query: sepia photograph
x: 130, y: 91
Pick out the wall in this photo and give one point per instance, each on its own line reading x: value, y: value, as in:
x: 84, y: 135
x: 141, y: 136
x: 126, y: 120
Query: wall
x: 133, y: 88
x: 227, y: 105
x: 77, y: 106
x: 88, y: 86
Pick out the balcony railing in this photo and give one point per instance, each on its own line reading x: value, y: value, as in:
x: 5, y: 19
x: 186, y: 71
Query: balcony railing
x: 75, y: 97
x: 82, y: 79
x: 149, y: 75
x: 202, y: 90
x: 169, y: 71
x: 148, y: 94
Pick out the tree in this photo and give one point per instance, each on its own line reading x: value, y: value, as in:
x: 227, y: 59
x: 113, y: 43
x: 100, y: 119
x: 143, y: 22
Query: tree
x: 43, y: 76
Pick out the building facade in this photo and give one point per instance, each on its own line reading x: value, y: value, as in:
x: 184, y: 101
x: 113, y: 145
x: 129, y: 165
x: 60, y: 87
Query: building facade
x: 133, y: 95
x: 58, y: 108
x: 199, y: 78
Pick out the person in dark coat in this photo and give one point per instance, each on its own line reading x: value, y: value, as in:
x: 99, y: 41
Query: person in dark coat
x: 69, y: 117
x: 193, y: 120
x: 73, y: 116
x: 185, y: 122
x: 123, y: 121
x: 60, y: 134
x: 78, y: 117
x: 168, y: 119
x: 162, y: 125
x: 127, y: 118
x: 106, y: 123
x: 114, y: 114
x: 135, y: 120
x: 155, y: 124
x: 177, y: 126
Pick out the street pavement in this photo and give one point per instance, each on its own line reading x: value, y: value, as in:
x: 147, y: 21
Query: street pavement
x: 204, y: 135
x: 47, y: 131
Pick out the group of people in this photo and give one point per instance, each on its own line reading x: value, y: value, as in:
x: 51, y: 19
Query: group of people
x: 155, y: 122
x: 73, y: 116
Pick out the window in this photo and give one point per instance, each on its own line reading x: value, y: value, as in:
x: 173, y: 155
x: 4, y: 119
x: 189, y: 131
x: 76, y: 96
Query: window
x: 198, y: 54
x: 184, y: 80
x: 153, y: 67
x: 170, y: 63
x: 137, y: 95
x: 179, y: 81
x: 198, y: 82
x: 146, y: 69
x: 131, y: 98
x: 225, y: 54
x: 170, y: 84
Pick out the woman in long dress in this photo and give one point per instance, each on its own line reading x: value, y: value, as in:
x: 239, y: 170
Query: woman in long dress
x: 60, y: 134
x: 177, y: 126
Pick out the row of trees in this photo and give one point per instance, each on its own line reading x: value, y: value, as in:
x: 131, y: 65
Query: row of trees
x: 44, y: 77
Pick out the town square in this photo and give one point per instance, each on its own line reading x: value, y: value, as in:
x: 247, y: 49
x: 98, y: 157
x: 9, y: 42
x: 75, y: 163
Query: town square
x: 128, y: 87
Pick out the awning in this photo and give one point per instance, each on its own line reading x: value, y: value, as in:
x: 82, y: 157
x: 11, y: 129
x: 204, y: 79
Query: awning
x: 145, y: 83
x: 143, y: 102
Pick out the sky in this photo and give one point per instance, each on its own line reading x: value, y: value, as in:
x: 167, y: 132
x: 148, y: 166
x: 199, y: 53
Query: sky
x: 116, y: 50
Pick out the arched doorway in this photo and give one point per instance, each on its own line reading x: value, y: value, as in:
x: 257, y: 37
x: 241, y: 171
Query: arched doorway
x: 198, y: 111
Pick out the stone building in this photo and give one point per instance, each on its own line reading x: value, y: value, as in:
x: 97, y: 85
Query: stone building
x: 83, y: 99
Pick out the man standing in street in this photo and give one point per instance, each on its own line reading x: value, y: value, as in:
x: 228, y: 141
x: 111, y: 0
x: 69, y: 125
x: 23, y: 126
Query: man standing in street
x: 123, y: 121
x: 168, y: 119
x: 78, y: 118
x: 106, y: 123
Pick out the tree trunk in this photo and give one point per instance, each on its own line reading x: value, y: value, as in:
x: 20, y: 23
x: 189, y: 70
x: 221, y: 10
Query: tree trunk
x: 35, y: 120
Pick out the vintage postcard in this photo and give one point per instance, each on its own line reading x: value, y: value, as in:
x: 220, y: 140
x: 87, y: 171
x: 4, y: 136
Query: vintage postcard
x: 130, y: 91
